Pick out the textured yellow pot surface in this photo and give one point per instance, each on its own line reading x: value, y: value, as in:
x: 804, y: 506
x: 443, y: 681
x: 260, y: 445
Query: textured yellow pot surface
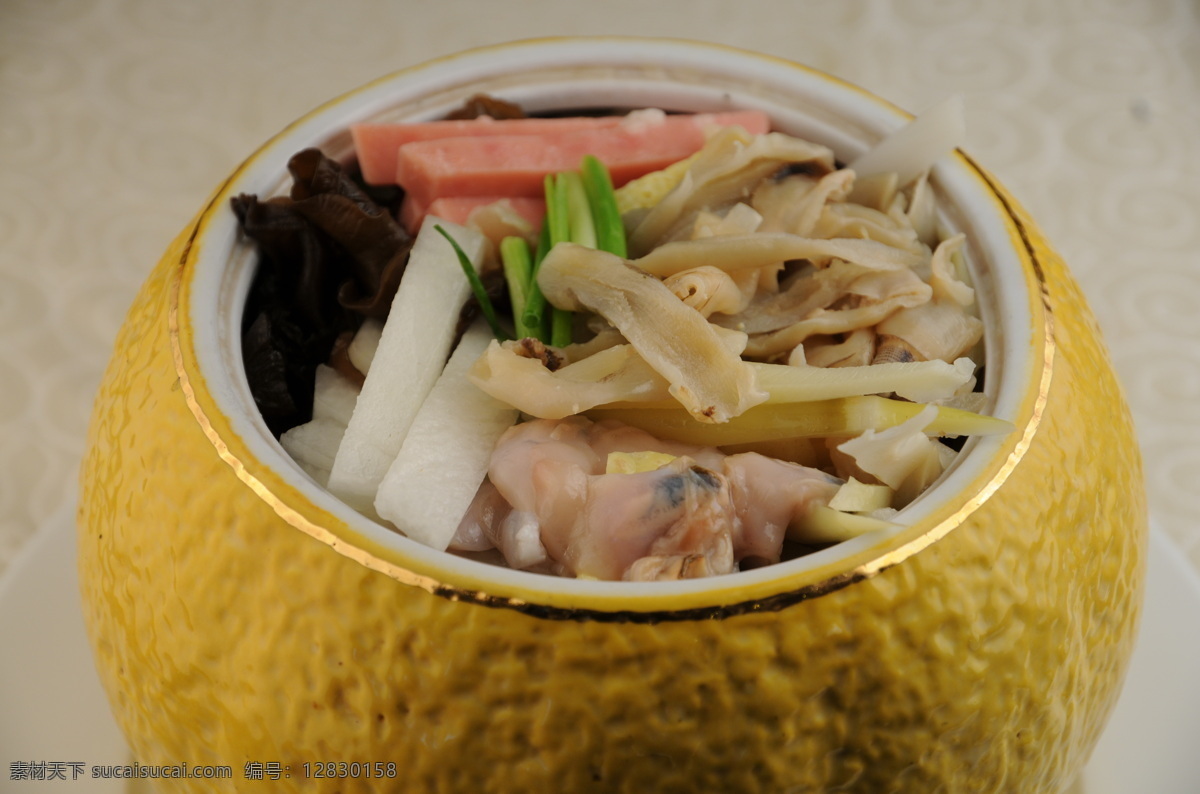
x: 236, y: 621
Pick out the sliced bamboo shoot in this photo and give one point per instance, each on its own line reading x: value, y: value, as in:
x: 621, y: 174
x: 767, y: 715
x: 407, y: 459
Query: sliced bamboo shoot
x: 861, y: 497
x: 826, y: 525
x: 919, y: 381
x: 848, y: 416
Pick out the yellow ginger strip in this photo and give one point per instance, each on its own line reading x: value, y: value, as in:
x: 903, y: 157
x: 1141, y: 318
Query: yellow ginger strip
x: 847, y: 416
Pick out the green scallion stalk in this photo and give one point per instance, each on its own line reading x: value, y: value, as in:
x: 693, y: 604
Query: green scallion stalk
x: 558, y: 218
x: 543, y: 247
x: 610, y: 231
x: 570, y: 202
x: 485, y: 303
x: 558, y: 209
x: 518, y: 273
x: 579, y: 212
x: 535, y: 303
x: 571, y: 216
x: 562, y: 324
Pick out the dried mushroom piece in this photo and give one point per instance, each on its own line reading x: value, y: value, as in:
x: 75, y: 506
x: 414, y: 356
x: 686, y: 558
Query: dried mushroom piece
x: 328, y: 256
x: 486, y: 105
x: 376, y: 244
x: 292, y: 317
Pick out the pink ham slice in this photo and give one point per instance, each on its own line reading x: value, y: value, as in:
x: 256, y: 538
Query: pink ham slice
x: 377, y: 144
x: 515, y: 165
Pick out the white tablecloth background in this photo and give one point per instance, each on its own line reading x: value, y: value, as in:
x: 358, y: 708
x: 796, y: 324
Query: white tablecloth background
x: 117, y: 117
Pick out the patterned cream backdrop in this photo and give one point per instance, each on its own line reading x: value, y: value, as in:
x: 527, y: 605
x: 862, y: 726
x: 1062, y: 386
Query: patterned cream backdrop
x: 117, y: 117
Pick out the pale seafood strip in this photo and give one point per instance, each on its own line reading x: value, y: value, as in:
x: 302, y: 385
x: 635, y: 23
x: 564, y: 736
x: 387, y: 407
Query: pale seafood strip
x: 709, y: 291
x: 715, y: 293
x: 500, y: 219
x: 796, y: 203
x: 741, y: 218
x: 700, y: 514
x: 799, y: 296
x: 930, y: 331
x: 921, y: 212
x: 902, y: 457
x: 942, y: 328
x: 619, y: 376
x: 857, y: 349
x: 738, y: 252
x: 944, y: 278
x: 726, y: 170
x: 445, y: 454
x: 708, y: 379
x: 874, y: 298
x: 614, y: 374
x: 880, y: 191
x: 845, y: 220
x: 413, y: 348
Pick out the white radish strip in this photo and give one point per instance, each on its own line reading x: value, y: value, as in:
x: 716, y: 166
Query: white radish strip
x: 412, y: 351
x: 313, y: 446
x: 334, y: 396
x: 430, y: 485
x: 315, y: 443
x: 365, y: 343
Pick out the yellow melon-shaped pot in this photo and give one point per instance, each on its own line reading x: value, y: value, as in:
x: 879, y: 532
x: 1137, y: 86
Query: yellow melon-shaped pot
x: 242, y: 616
